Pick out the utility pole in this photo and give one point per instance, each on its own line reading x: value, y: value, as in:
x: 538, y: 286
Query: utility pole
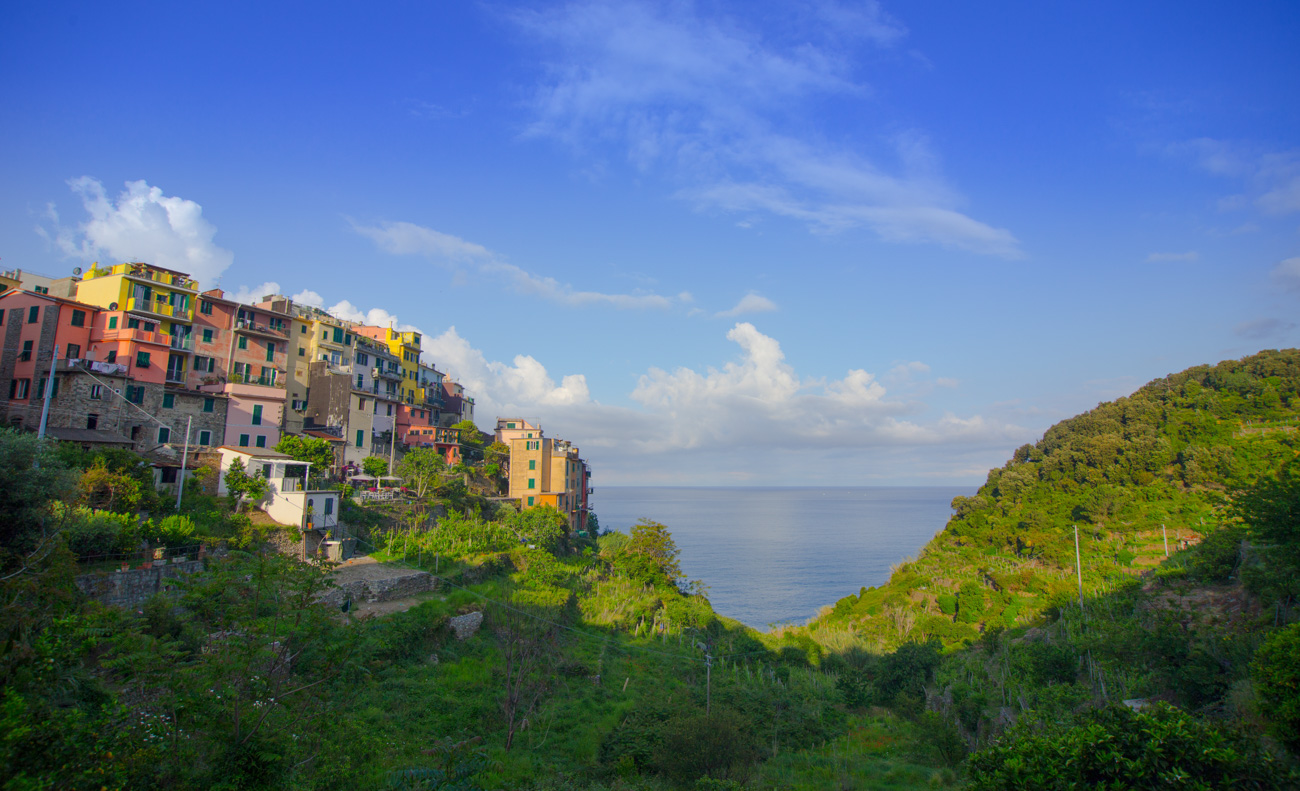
x: 49, y: 390
x: 180, y: 489
x: 1078, y: 565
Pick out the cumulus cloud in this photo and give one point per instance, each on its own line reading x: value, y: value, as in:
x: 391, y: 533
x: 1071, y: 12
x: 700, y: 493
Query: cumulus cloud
x: 141, y: 224
x: 708, y: 101
x: 523, y: 385
x: 1287, y: 274
x: 750, y: 303
x: 404, y: 238
x: 249, y: 295
x: 1190, y: 255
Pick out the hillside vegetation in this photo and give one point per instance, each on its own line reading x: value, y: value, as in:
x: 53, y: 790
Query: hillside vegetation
x: 599, y: 667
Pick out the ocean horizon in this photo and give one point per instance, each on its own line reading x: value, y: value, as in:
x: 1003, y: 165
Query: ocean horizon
x: 777, y: 554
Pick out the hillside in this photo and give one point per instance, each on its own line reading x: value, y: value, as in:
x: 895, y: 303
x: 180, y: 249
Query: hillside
x: 1159, y: 463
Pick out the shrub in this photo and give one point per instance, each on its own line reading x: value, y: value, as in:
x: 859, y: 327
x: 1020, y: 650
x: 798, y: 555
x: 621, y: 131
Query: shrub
x: 1114, y: 747
x: 1276, y: 673
x: 717, y: 746
x: 947, y: 604
x: 970, y: 603
x: 1215, y: 558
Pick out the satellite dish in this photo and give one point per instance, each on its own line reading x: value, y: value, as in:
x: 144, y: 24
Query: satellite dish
x: 76, y: 270
x: 112, y: 306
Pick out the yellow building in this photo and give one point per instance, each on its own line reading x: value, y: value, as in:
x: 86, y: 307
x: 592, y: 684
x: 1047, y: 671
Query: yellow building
x: 406, y: 345
x: 314, y: 336
x: 545, y: 471
x: 150, y: 294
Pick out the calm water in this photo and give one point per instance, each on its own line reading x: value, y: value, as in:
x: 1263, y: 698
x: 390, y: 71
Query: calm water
x: 779, y: 554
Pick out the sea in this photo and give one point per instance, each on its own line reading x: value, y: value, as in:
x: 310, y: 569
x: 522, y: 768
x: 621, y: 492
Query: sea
x: 774, y: 555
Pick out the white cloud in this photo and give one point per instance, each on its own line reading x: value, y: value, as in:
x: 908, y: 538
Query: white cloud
x: 1190, y: 255
x: 309, y: 297
x: 709, y: 101
x: 750, y: 303
x: 1261, y: 329
x: 523, y: 386
x: 1287, y: 273
x: 248, y: 296
x: 404, y: 238
x: 1271, y: 178
x: 142, y: 224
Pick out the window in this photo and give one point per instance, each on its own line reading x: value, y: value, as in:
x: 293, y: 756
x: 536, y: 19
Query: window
x: 96, y: 392
x: 112, y: 322
x: 390, y: 410
x: 18, y: 388
x: 338, y: 335
x: 92, y: 421
x: 510, y: 425
x: 41, y: 289
x: 27, y: 351
x: 205, y: 307
x: 135, y: 394
x: 302, y: 352
x: 362, y: 359
x: 167, y: 475
x: 112, y: 356
x: 78, y: 318
x: 329, y: 505
x: 205, y: 437
x: 132, y: 324
x: 33, y: 313
x: 532, y: 464
x: 164, y: 434
x: 142, y: 359
x: 270, y: 351
x: 207, y: 336
x: 209, y: 404
x: 347, y: 339
x: 360, y: 435
x: 40, y: 388
x: 257, y: 414
x: 243, y: 440
x: 149, y: 326
x: 361, y: 384
x: 169, y: 401
x: 261, y: 440
x: 530, y: 501
x: 532, y: 483
x: 304, y: 328
x: 74, y: 351
x: 243, y: 342
x: 2, y: 316
x: 361, y: 404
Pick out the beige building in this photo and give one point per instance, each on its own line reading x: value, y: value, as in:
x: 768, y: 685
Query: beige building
x: 545, y: 471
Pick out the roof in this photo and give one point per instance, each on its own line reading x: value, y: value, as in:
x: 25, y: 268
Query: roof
x: 53, y: 298
x: 322, y: 435
x: 260, y: 453
x: 86, y: 435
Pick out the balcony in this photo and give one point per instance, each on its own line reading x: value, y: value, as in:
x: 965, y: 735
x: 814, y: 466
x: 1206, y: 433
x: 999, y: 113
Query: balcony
x: 384, y: 373
x: 248, y: 379
x: 145, y: 272
x: 175, y: 376
x: 182, y: 343
x: 130, y: 334
x: 253, y: 328
x: 157, y: 307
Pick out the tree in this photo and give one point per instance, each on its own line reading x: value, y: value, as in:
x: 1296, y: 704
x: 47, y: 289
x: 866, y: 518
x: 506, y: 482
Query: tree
x: 26, y: 492
x: 241, y: 486
x: 529, y: 650
x: 422, y: 469
x: 653, y: 545
x: 542, y: 525
x: 1276, y: 673
x: 375, y: 466
x: 316, y: 452
x: 469, y: 434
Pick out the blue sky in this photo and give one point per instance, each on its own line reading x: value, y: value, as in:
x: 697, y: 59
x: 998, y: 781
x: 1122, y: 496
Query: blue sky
x: 710, y: 243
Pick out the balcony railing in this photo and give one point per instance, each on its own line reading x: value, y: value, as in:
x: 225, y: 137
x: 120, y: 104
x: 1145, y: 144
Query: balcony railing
x: 385, y: 373
x: 143, y: 272
x: 244, y: 325
x: 158, y: 308
x: 175, y: 376
x: 131, y: 334
x: 182, y: 342
x: 247, y: 379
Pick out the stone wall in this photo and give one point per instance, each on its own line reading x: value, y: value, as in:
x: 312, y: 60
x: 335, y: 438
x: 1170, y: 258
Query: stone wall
x: 133, y: 588
x: 381, y: 590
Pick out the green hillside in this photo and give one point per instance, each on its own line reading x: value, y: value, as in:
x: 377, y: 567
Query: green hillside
x: 1162, y: 461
